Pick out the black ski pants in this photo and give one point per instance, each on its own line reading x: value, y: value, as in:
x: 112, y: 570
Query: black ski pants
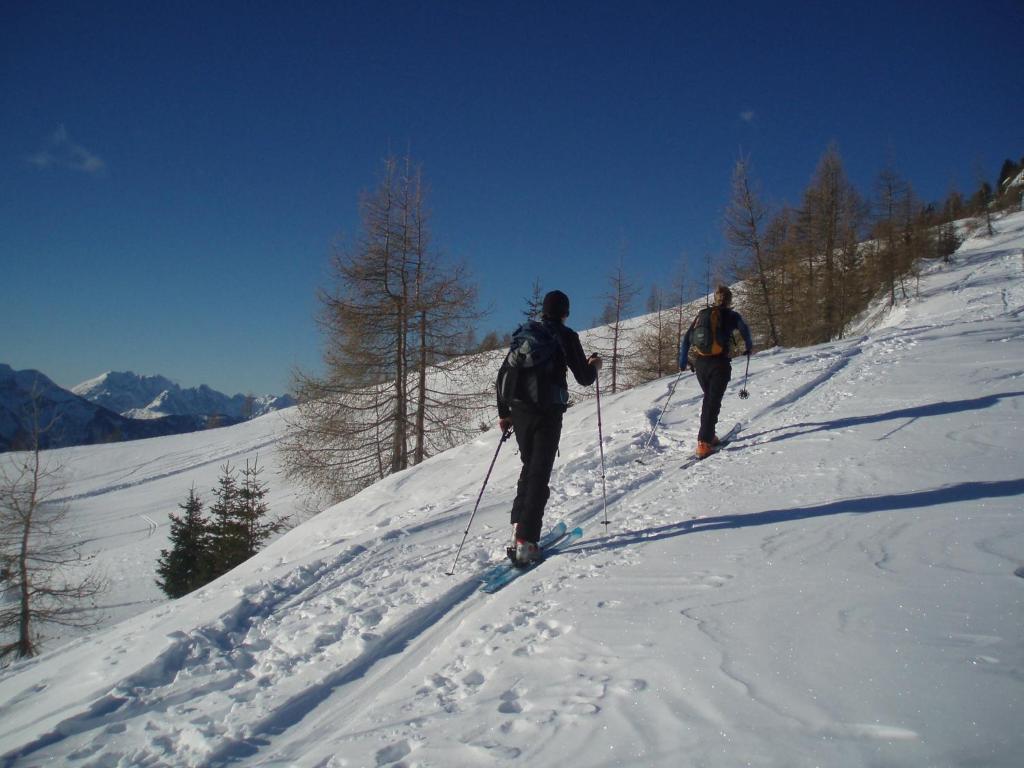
x: 537, y: 433
x: 713, y: 374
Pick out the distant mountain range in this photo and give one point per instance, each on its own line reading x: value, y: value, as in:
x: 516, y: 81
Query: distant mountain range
x: 114, y: 407
x: 152, y: 397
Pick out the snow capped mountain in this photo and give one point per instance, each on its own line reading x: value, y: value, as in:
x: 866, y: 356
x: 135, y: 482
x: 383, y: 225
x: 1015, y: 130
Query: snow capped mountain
x: 18, y: 415
x: 121, y: 392
x: 148, y: 397
x: 29, y: 401
x: 841, y: 586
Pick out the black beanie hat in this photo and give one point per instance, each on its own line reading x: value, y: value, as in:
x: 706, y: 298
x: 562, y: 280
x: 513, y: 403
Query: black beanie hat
x: 556, y: 305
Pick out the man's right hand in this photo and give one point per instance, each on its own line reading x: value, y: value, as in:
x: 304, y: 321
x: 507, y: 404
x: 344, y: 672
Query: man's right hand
x: 504, y: 423
x: 595, y: 360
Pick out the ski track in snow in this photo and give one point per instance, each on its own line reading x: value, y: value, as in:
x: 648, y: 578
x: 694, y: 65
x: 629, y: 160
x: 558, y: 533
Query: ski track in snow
x: 580, y: 505
x: 231, y: 659
x: 191, y: 466
x: 258, y: 668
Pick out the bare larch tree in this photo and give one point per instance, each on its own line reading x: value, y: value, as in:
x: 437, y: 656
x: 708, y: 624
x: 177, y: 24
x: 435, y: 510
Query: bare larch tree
x: 744, y: 225
x: 44, y: 578
x: 395, y: 323
x: 618, y: 300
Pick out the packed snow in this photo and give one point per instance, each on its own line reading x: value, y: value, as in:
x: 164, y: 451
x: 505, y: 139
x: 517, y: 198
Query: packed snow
x: 841, y: 586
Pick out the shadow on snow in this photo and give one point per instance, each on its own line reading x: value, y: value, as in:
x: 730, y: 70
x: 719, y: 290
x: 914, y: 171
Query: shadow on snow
x: 971, y: 491
x: 916, y: 412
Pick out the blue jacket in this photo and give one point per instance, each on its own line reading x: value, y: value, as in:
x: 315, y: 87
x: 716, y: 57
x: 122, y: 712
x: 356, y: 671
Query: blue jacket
x: 731, y: 320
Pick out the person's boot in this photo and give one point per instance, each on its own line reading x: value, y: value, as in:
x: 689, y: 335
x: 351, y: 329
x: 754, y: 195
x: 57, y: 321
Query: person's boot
x: 715, y: 442
x: 704, y: 449
x: 526, y: 553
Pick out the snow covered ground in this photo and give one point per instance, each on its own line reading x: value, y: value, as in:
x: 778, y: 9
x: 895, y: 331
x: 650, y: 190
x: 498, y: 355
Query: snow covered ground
x: 119, y: 495
x: 842, y: 586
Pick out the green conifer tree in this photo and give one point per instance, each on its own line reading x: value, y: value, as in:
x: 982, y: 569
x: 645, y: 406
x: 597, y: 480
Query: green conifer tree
x: 184, y: 567
x: 252, y: 509
x: 228, y: 532
x: 534, y: 302
x: 240, y: 525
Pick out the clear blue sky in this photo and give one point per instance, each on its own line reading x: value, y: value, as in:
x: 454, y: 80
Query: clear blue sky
x: 172, y: 175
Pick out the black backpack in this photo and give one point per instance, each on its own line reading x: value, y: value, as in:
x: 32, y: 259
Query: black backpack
x: 530, y: 371
x: 708, y: 336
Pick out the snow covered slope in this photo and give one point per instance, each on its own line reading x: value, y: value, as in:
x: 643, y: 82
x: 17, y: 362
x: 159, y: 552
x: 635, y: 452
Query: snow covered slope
x: 840, y: 587
x: 119, y: 495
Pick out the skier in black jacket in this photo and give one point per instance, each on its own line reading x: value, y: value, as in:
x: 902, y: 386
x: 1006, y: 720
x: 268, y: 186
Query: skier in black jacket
x: 538, y: 428
x: 714, y: 370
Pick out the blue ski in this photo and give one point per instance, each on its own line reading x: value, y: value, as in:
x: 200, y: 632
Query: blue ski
x: 556, y: 541
x: 549, y: 538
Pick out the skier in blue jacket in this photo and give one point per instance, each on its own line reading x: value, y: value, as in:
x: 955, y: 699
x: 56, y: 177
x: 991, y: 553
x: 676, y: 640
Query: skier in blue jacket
x: 713, y: 366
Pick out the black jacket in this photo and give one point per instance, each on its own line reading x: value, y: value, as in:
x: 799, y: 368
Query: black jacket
x: 572, y: 359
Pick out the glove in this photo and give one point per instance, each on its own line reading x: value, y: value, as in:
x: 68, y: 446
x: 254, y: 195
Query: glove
x: 504, y: 423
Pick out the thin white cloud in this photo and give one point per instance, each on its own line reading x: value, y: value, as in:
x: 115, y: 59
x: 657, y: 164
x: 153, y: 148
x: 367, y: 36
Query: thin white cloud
x: 747, y: 116
x: 61, y: 151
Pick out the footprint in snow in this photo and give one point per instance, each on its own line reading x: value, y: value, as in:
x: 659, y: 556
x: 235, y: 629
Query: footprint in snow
x: 629, y: 687
x: 548, y: 629
x: 393, y: 753
x: 369, y: 618
x: 580, y: 708
x: 498, y: 751
x: 510, y: 703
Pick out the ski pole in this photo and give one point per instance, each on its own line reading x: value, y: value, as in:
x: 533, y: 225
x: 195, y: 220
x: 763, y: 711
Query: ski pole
x: 600, y: 444
x: 505, y: 436
x: 743, y: 392
x: 650, y: 439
